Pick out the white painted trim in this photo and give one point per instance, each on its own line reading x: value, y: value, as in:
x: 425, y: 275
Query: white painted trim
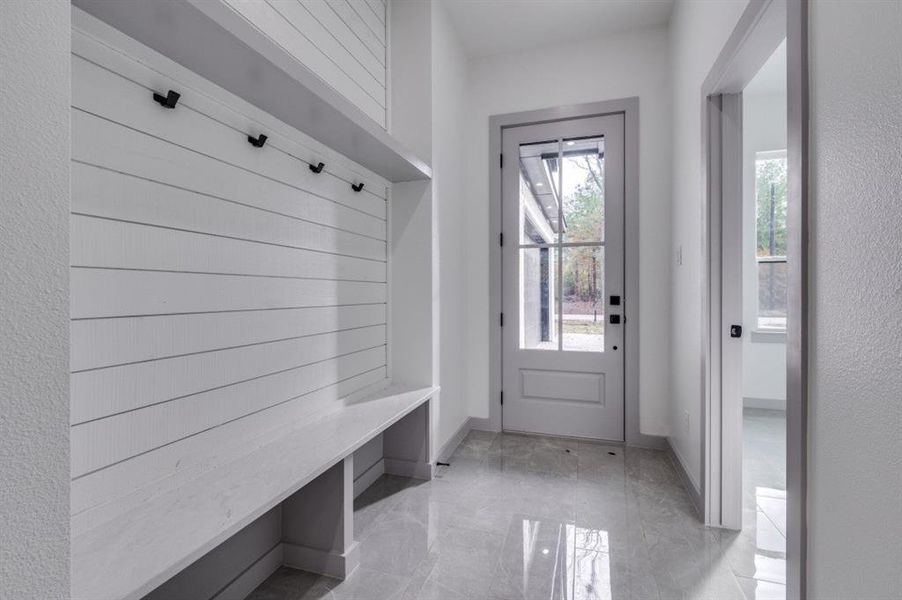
x: 324, y: 562
x: 369, y: 477
x: 240, y: 587
x: 764, y: 403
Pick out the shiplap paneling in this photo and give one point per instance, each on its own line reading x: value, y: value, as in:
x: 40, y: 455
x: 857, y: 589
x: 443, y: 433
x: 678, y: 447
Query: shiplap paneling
x: 120, y: 487
x: 219, y: 292
x: 125, y: 245
x: 103, y: 392
x: 350, y: 18
x: 99, y: 343
x: 98, y: 444
x: 319, y: 48
x: 103, y: 293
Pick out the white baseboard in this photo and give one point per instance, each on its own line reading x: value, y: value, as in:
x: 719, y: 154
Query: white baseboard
x: 369, y: 477
x: 694, y: 493
x: 409, y: 468
x: 241, y: 587
x: 451, y: 445
x: 324, y: 562
x: 766, y: 403
x: 482, y: 424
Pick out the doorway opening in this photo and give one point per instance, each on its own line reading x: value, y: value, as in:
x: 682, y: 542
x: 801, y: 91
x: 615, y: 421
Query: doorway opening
x: 755, y: 301
x: 562, y: 212
x: 569, y: 305
x: 760, y: 563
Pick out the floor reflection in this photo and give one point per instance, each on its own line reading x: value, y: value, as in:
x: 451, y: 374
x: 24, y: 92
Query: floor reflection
x: 759, y: 551
x: 562, y: 561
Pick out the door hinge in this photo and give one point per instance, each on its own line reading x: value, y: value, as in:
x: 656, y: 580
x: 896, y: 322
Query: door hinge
x: 500, y: 161
x: 502, y: 397
x: 500, y: 239
x: 502, y: 319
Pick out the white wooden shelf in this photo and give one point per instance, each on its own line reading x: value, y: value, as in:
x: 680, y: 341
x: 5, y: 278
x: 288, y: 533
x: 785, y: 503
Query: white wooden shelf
x: 211, y: 39
x: 130, y: 555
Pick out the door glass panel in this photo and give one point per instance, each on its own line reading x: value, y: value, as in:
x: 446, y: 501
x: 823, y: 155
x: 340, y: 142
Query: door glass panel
x: 583, y: 298
x: 539, y: 181
x: 582, y: 167
x: 539, y: 304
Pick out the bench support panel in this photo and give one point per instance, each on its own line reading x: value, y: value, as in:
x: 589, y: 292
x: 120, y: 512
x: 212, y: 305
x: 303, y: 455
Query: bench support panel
x: 318, y: 524
x: 407, y: 445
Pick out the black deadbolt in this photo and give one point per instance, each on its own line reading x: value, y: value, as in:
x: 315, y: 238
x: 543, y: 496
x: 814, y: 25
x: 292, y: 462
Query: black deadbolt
x: 615, y: 300
x: 735, y: 331
x: 614, y: 319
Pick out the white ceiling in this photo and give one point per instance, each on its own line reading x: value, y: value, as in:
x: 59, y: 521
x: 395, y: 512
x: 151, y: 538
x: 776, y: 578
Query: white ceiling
x: 489, y: 27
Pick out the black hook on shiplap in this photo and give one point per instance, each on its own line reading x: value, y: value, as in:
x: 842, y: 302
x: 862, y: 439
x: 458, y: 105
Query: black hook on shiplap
x: 169, y: 100
x: 357, y: 186
x: 317, y: 168
x: 257, y: 142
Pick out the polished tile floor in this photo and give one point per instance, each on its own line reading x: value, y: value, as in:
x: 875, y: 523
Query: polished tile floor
x: 523, y: 517
x: 758, y: 552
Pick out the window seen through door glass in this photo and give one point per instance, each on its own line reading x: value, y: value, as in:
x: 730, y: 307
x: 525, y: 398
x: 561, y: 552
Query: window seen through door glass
x: 770, y: 221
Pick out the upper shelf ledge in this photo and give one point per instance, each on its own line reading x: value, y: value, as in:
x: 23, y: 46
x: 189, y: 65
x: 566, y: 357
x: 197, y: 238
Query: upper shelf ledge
x: 211, y: 39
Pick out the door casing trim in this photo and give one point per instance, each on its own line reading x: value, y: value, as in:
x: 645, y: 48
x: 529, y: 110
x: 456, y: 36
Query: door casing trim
x: 739, y: 60
x: 629, y: 108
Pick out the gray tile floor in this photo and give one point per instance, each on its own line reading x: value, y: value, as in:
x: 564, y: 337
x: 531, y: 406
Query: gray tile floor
x: 522, y: 517
x: 758, y: 553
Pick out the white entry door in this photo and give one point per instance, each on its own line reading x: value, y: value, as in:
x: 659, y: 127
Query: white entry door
x: 562, y: 224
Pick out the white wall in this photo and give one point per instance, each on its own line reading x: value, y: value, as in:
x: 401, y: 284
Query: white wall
x: 613, y: 67
x: 698, y: 31
x: 449, y: 86
x: 34, y: 300
x: 763, y: 362
x: 429, y: 86
x: 855, y: 396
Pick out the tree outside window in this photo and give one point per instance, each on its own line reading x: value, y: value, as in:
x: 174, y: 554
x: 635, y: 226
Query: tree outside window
x: 770, y: 195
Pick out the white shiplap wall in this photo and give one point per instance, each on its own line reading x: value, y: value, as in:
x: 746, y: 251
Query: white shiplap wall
x: 341, y: 41
x: 219, y: 291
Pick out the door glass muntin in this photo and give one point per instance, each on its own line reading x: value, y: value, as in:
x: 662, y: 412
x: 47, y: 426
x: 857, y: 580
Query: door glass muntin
x: 561, y: 237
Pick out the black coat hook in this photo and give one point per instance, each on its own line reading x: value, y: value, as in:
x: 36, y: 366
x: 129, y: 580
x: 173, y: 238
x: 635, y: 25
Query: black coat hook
x: 169, y: 100
x: 318, y: 168
x: 257, y: 142
x: 357, y: 186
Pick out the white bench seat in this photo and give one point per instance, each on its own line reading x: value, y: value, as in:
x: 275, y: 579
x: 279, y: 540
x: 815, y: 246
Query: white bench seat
x: 134, y: 553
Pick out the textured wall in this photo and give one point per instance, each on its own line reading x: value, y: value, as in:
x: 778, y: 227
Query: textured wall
x: 855, y: 405
x: 34, y: 301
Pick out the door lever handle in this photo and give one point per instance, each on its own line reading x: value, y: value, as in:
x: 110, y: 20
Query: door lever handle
x: 614, y: 319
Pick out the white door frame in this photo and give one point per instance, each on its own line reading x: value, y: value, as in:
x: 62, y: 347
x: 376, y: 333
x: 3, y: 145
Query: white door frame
x: 629, y: 107
x: 758, y: 32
